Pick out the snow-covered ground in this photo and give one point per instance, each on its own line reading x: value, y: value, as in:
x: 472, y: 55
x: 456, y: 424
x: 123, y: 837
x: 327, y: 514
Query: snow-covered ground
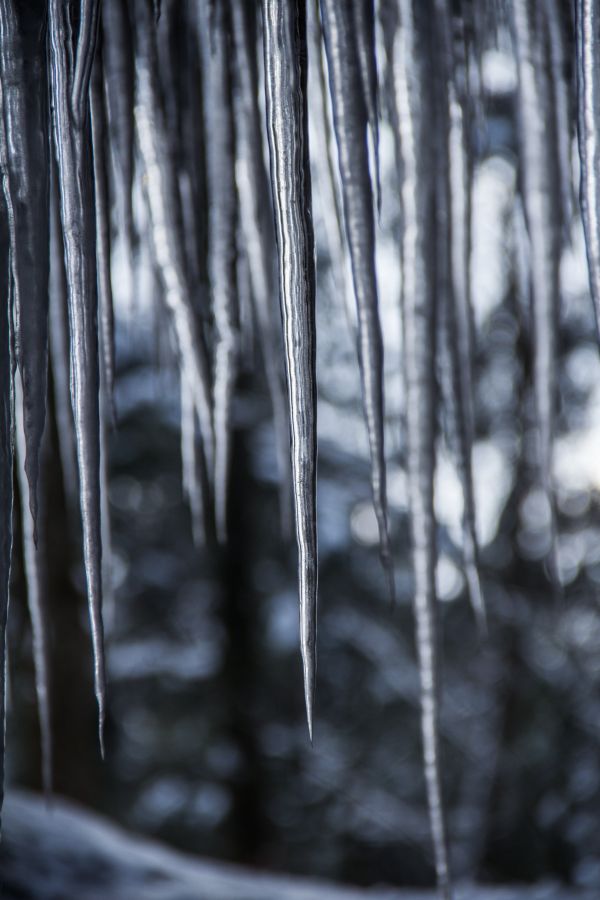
x: 66, y: 853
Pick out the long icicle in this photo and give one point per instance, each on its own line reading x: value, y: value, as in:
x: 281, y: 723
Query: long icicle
x: 415, y: 98
x: 364, y: 31
x: 284, y: 34
x: 328, y: 201
x: 74, y: 165
x: 162, y: 196
x: 326, y: 139
x: 6, y: 448
x: 191, y: 476
x: 588, y: 115
x: 23, y: 71
x: 106, y: 336
x: 89, y: 12
x: 257, y: 223
x: 350, y: 122
x: 191, y: 146
x: 557, y: 16
x: 58, y: 322
x: 119, y: 81
x: 106, y: 413
x: 102, y: 206
x: 32, y: 559
x: 221, y: 244
x: 456, y: 310
x: 540, y: 178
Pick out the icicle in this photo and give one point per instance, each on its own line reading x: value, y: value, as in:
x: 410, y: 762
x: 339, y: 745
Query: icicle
x: 324, y: 171
x: 171, y: 61
x: 324, y: 134
x: 119, y: 80
x: 32, y: 558
x: 540, y: 178
x: 89, y: 12
x: 520, y: 260
x: 72, y: 146
x: 192, y: 143
x: 106, y: 334
x: 456, y: 310
x: 256, y: 219
x: 588, y: 117
x: 59, y: 352
x: 284, y: 27
x: 6, y: 450
x: 350, y: 121
x: 472, y: 17
x: 364, y: 31
x: 102, y: 205
x: 190, y: 464
x: 416, y: 117
x: 222, y: 245
x: 106, y: 411
x: 246, y: 303
x: 389, y: 14
x: 162, y: 196
x: 557, y: 16
x: 23, y: 73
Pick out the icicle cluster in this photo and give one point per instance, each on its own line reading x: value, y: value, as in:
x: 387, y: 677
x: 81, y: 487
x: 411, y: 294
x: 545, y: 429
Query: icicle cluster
x: 95, y: 102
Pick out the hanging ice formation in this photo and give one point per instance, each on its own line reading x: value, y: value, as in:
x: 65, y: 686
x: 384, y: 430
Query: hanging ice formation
x: 284, y: 27
x: 117, y: 123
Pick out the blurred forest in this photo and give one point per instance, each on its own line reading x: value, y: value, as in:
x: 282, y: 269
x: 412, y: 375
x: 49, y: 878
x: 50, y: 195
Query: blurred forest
x: 206, y: 741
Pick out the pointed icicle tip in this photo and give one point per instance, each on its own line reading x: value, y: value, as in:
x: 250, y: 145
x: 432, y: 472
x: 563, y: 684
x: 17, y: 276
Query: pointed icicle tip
x: 101, y: 721
x: 477, y: 599
x: 310, y: 680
